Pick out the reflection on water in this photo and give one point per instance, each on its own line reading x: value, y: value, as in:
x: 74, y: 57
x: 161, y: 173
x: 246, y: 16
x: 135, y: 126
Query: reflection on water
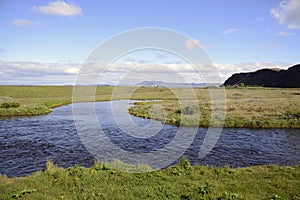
x: 27, y: 143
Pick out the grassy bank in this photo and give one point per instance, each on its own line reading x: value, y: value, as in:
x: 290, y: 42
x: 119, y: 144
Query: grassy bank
x: 178, y: 182
x: 37, y: 100
x: 246, y: 106
x: 34, y: 100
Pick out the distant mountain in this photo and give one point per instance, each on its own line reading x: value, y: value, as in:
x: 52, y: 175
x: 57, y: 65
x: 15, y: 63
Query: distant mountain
x: 176, y: 85
x: 289, y: 78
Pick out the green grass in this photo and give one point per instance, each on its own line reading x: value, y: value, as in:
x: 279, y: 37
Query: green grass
x: 177, y: 182
x: 246, y: 107
x: 34, y: 100
x: 37, y: 100
x: 252, y: 107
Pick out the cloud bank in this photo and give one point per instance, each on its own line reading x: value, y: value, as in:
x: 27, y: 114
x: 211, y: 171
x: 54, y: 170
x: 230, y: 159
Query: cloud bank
x: 36, y: 73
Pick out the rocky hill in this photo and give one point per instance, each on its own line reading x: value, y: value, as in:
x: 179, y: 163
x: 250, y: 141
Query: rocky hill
x: 289, y: 78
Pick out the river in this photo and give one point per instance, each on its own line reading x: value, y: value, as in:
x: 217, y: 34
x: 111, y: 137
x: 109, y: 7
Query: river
x: 26, y: 143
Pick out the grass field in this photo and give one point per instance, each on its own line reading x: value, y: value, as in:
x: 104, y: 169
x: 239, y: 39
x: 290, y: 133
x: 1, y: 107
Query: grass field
x: 245, y: 107
x: 178, y: 182
x: 36, y: 100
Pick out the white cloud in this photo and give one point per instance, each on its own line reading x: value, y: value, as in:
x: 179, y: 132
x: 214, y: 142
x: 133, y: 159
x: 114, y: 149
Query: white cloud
x: 229, y: 31
x: 35, y: 73
x: 72, y: 70
x: 24, y: 22
x: 191, y: 44
x: 59, y: 8
x: 133, y: 72
x: 38, y: 73
x: 288, y: 12
x: 283, y: 33
x: 226, y: 70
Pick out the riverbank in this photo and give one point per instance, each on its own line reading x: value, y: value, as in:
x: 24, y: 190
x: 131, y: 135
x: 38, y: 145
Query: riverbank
x: 177, y: 182
x: 34, y: 100
x: 247, y: 107
x: 39, y: 100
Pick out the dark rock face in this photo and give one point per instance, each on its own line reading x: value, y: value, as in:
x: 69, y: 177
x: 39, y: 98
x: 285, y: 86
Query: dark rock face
x: 289, y: 78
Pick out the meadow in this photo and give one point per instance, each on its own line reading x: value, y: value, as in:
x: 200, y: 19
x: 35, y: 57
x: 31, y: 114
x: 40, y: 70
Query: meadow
x: 181, y: 181
x: 246, y: 107
x: 251, y: 107
x: 37, y: 100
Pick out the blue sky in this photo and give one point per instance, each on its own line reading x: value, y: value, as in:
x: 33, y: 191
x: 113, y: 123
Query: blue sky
x: 53, y: 38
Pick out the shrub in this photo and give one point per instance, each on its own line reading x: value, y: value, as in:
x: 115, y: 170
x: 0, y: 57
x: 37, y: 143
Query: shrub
x: 292, y: 115
x: 7, y: 105
x: 184, y: 163
x: 188, y: 110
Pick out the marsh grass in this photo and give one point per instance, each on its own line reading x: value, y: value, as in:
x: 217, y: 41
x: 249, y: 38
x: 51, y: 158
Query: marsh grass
x: 252, y: 107
x: 9, y: 104
x: 34, y: 100
x: 246, y: 107
x: 37, y: 100
x: 181, y: 181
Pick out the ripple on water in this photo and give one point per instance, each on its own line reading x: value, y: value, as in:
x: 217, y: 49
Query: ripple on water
x: 26, y: 143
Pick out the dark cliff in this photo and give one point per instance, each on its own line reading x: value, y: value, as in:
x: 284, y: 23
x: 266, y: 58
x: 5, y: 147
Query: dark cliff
x: 289, y: 78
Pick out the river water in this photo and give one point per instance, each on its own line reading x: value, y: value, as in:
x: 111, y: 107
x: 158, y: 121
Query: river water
x: 26, y: 143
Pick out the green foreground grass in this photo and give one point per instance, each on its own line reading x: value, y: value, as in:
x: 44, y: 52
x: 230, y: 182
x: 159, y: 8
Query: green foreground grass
x: 252, y: 107
x: 177, y: 182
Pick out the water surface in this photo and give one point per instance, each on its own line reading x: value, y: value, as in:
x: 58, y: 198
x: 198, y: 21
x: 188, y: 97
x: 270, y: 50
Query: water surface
x: 26, y: 143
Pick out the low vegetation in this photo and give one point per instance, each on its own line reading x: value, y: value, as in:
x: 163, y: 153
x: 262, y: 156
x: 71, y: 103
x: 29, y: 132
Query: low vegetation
x: 246, y: 107
x: 8, y: 105
x: 37, y: 100
x: 252, y: 107
x: 181, y: 181
x: 33, y: 100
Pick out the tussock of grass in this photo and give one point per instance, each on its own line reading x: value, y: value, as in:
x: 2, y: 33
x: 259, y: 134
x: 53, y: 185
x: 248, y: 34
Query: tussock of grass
x: 181, y: 181
x: 9, y: 104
